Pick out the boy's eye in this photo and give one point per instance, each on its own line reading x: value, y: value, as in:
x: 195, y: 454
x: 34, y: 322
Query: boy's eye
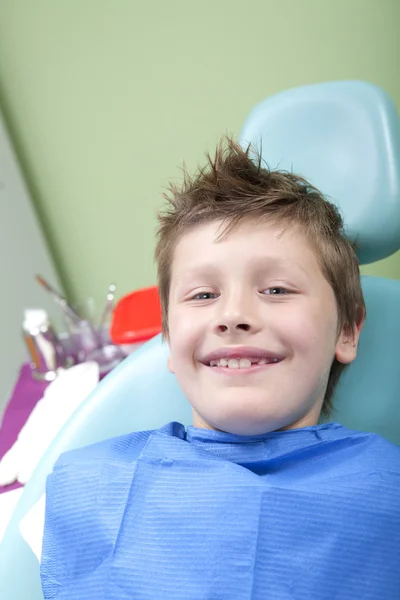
x: 205, y: 296
x: 275, y: 291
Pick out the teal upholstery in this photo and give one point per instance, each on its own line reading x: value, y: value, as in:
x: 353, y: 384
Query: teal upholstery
x: 345, y: 138
x: 368, y: 395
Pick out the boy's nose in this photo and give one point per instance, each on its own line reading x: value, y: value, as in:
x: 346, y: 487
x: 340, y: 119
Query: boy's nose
x: 238, y: 327
x: 236, y: 320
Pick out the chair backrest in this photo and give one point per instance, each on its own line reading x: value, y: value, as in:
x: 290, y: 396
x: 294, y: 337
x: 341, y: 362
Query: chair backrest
x: 142, y: 394
x: 344, y: 137
x: 368, y: 395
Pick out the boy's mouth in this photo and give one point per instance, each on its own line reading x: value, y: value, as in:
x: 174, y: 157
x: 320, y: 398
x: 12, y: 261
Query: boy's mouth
x: 240, y: 358
x: 241, y: 363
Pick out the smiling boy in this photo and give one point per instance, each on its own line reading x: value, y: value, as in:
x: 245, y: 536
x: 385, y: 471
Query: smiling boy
x: 262, y: 309
x: 253, y: 327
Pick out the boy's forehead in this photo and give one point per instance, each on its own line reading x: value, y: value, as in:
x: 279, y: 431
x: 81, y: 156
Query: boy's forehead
x: 260, y: 236
x: 263, y: 243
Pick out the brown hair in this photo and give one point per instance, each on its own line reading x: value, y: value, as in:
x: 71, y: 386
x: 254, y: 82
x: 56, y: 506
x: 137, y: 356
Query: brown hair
x: 235, y: 185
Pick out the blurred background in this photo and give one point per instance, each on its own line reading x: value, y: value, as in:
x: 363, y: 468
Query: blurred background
x: 104, y: 100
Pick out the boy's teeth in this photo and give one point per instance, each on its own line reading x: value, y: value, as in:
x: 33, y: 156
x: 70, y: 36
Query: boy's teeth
x: 233, y: 363
x: 244, y: 363
x: 236, y: 363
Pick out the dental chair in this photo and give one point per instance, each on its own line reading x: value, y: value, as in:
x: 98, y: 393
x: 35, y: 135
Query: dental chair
x: 345, y: 138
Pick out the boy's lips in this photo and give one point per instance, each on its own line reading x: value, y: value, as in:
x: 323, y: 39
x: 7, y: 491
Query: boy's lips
x: 241, y: 353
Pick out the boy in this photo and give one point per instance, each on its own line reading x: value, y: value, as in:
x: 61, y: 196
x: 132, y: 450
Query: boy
x: 262, y: 310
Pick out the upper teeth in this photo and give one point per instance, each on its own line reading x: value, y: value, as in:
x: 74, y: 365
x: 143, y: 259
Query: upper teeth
x: 240, y: 363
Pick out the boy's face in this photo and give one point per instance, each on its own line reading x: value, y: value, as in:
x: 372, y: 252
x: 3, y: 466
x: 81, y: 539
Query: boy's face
x: 252, y: 328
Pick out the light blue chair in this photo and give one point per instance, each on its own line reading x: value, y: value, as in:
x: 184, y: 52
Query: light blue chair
x: 345, y: 137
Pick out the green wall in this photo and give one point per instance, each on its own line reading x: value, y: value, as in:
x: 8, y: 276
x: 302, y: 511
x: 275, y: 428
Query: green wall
x: 104, y: 99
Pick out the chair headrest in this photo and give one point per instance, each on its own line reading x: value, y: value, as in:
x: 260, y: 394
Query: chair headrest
x: 344, y: 137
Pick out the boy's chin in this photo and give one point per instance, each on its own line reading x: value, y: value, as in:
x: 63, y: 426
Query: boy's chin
x: 249, y: 412
x: 243, y: 424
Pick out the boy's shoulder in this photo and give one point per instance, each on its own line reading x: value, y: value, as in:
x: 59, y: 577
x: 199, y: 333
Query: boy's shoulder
x: 375, y: 452
x: 122, y: 449
x: 385, y: 453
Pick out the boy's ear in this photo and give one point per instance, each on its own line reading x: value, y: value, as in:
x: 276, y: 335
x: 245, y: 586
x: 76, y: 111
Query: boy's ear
x: 170, y: 364
x: 347, y: 344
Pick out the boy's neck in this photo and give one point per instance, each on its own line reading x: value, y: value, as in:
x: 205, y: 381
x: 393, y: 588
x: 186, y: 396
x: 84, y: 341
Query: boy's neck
x: 308, y: 420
